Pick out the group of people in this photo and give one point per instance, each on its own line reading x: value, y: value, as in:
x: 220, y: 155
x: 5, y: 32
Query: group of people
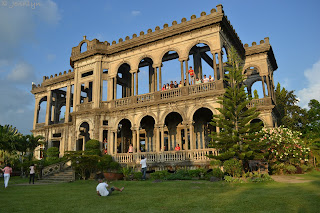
x: 7, y: 170
x: 193, y: 80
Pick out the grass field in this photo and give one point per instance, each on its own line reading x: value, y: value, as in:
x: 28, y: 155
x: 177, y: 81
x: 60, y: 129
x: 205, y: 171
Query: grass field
x: 167, y: 196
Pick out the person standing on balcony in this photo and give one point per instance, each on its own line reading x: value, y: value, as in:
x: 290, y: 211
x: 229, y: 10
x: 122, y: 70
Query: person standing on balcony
x: 171, y: 85
x: 163, y: 87
x: 180, y: 84
x: 177, y: 148
x: 198, y: 81
x: 191, y: 73
x: 130, y: 150
x: 143, y: 164
x: 167, y: 87
x: 210, y: 78
x: 176, y: 84
x: 205, y: 79
x: 6, y: 176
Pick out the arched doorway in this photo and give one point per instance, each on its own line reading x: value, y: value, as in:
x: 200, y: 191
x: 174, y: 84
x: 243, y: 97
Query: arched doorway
x: 83, y: 137
x: 124, y: 136
x: 123, y: 81
x: 174, y: 131
x: 202, y: 128
x: 147, y: 134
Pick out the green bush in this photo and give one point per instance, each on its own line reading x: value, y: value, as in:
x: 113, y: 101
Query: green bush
x: 277, y: 168
x: 216, y: 163
x: 306, y: 168
x: 93, y: 147
x: 230, y: 179
x: 52, y: 153
x: 162, y: 175
x: 180, y: 174
x: 216, y: 172
x: 290, y: 169
x: 137, y: 175
x: 256, y: 177
x: 195, y: 173
x: 233, y: 167
x: 107, y: 164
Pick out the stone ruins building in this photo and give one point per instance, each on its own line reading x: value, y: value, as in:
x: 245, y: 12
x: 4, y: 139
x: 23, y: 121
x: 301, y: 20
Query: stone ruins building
x: 101, y: 97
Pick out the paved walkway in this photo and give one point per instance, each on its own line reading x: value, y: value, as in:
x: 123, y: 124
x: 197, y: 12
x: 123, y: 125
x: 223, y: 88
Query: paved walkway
x: 289, y: 179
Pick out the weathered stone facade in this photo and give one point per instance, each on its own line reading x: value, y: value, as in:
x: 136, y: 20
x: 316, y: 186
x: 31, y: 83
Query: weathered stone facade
x: 155, y: 122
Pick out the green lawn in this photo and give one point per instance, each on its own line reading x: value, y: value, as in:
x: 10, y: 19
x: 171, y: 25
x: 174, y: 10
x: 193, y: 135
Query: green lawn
x: 168, y: 196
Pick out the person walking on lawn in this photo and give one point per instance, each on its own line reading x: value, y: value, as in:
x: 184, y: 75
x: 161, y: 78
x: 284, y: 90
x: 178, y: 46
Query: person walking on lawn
x: 143, y: 164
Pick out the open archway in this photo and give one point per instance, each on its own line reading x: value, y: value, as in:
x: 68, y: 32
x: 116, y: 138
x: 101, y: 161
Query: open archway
x: 123, y: 81
x: 147, y: 135
x: 174, y: 131
x: 202, y: 128
x: 124, y: 136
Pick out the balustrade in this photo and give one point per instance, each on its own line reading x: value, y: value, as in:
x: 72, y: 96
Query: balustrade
x: 171, y: 93
x: 199, y: 155
x: 203, y: 87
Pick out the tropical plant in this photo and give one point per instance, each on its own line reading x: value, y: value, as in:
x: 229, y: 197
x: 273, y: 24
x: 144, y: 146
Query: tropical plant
x: 234, y: 121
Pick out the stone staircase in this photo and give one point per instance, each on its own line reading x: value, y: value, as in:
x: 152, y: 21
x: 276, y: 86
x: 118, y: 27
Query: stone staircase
x: 67, y: 175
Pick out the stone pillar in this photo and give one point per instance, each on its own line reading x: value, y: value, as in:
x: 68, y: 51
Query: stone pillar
x: 111, y: 143
x: 215, y: 73
x: 220, y: 65
x: 138, y: 140
x: 186, y: 140
x: 132, y: 83
x: 182, y: 75
x: 97, y: 83
x: 187, y: 73
x: 116, y: 142
x: 155, y: 71
x: 48, y: 111
x: 115, y: 87
x: 268, y: 86
x: 263, y: 87
x: 68, y: 98
x: 157, y: 139
x: 134, y: 140
x: 137, y: 82
x: 203, y: 138
x: 191, y: 127
x: 160, y: 78
x: 146, y: 142
x: 36, y: 112
x: 162, y: 138
x: 76, y: 93
x: 197, y: 64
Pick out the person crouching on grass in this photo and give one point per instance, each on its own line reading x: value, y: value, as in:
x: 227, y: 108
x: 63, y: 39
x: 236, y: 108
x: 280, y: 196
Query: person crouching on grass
x: 102, y: 188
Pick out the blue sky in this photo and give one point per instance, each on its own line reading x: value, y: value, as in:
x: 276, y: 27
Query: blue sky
x: 36, y: 39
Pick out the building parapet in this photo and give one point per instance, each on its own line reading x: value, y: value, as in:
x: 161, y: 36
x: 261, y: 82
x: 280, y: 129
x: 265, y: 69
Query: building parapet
x: 216, y: 16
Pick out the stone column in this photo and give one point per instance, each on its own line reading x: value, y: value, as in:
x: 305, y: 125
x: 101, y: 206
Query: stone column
x: 134, y: 140
x: 115, y: 87
x: 116, y: 142
x: 155, y: 71
x: 263, y: 87
x: 157, y: 139
x: 160, y: 78
x: 182, y: 75
x: 146, y: 142
x: 187, y: 73
x: 68, y: 98
x: 268, y: 86
x: 220, y: 65
x: 76, y: 94
x: 137, y: 82
x: 203, y: 138
x: 48, y: 111
x: 215, y: 73
x: 132, y: 83
x: 186, y: 140
x: 111, y: 143
x: 162, y: 138
x: 36, y: 112
x: 191, y: 127
x: 97, y: 83
x: 138, y: 140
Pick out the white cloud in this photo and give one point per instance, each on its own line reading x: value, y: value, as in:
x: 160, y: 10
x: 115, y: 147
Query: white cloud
x: 21, y: 73
x: 49, y: 12
x: 135, y: 12
x: 312, y: 91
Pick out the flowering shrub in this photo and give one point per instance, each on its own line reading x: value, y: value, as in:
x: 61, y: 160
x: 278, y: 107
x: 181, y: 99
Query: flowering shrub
x: 283, y: 145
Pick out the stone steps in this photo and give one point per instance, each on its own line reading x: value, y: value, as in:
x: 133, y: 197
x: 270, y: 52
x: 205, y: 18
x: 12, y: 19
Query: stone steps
x: 65, y: 176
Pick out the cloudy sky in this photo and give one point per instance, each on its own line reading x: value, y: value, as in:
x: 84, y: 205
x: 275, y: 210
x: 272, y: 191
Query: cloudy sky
x: 36, y: 38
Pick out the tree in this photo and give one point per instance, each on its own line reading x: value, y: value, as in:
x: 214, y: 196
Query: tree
x: 236, y: 130
x: 291, y: 115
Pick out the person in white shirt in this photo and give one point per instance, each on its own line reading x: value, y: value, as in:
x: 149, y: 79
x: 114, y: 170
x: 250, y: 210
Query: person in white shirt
x: 205, y: 79
x: 32, y: 174
x: 143, y: 164
x: 102, y: 188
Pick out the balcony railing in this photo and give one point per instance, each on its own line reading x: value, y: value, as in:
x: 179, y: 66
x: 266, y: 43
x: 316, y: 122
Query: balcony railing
x: 203, y: 87
x: 260, y: 102
x: 170, y: 93
x: 199, y: 155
